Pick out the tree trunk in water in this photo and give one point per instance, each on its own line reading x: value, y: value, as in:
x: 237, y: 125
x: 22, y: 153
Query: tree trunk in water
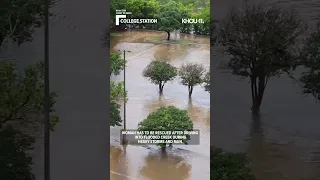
x: 163, y: 149
x: 254, y: 93
x: 190, y: 90
x: 255, y: 107
x: 257, y: 92
x: 168, y: 35
x: 160, y: 88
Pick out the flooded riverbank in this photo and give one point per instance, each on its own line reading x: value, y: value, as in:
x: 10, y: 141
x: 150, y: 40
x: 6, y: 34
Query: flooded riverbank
x: 187, y: 162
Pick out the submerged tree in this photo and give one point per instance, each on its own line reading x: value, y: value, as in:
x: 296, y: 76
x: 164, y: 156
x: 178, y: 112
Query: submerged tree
x: 160, y: 72
x: 167, y: 119
x: 261, y: 42
x: 311, y: 60
x: 191, y: 75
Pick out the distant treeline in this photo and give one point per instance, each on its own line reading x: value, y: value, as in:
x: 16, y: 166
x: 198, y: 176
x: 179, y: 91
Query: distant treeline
x: 168, y: 12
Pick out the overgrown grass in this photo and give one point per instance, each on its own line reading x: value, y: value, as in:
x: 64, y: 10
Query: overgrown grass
x: 154, y: 39
x: 184, y: 42
x: 115, y: 34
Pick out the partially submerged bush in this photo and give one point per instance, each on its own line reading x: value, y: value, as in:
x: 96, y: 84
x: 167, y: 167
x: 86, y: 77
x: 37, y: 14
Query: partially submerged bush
x: 229, y: 166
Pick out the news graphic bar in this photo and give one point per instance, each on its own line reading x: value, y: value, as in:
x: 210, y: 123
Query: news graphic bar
x: 137, y: 137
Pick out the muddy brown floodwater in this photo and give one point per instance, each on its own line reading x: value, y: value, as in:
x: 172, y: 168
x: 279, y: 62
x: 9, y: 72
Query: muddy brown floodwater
x: 181, y: 162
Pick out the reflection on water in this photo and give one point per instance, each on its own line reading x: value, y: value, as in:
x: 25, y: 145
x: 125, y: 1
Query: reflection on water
x: 118, y: 162
x: 180, y: 162
x: 169, y: 52
x: 174, y: 167
x: 284, y: 142
x: 151, y: 164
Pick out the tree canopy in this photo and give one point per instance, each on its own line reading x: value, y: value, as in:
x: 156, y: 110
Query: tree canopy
x: 22, y: 95
x: 21, y: 113
x: 143, y: 8
x: 167, y: 119
x: 15, y: 160
x: 116, y: 91
x: 168, y: 12
x: 262, y: 43
x: 311, y: 60
x: 116, y: 96
x: 19, y: 18
x: 204, y: 13
x: 169, y: 18
x: 116, y: 63
x: 191, y: 75
x: 115, y: 117
x: 159, y: 72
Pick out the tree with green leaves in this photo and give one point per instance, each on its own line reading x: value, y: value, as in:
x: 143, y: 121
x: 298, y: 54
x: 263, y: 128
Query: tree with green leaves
x: 115, y: 117
x: 229, y: 166
x: 22, y: 96
x: 116, y: 91
x: 15, y: 161
x: 18, y: 19
x: 116, y: 63
x: 21, y: 114
x: 142, y: 9
x: 167, y: 119
x: 191, y: 75
x: 311, y: 60
x: 116, y: 5
x: 262, y: 43
x: 185, y: 12
x: 116, y: 95
x: 160, y: 72
x: 202, y: 28
x: 206, y: 81
x: 169, y: 18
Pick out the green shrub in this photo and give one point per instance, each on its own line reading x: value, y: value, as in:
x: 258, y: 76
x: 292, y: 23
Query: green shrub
x: 229, y: 166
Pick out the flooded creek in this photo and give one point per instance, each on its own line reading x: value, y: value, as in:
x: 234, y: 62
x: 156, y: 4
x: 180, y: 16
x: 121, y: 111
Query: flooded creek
x: 180, y: 162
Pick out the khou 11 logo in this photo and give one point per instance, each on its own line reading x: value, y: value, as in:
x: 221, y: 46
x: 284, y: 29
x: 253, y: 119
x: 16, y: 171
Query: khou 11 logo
x: 192, y: 21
